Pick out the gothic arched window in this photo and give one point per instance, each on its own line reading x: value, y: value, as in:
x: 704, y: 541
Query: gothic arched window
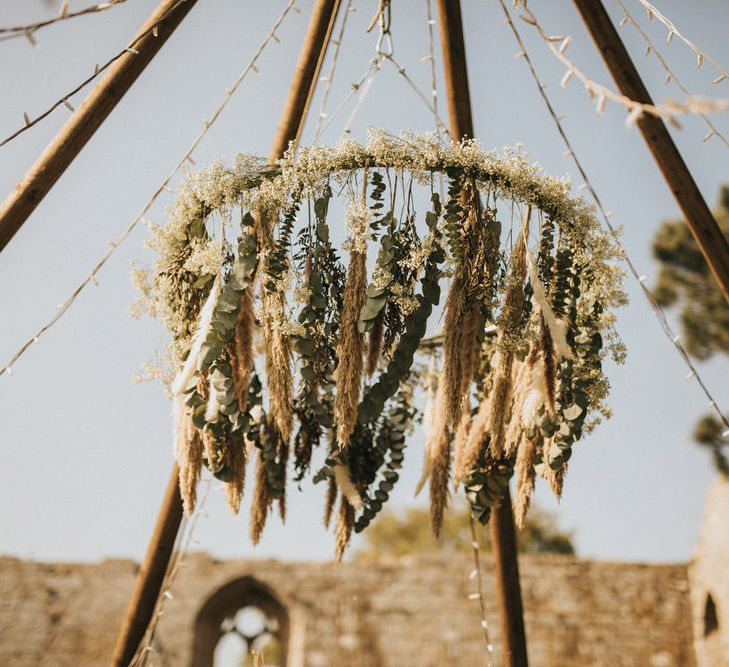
x: 242, y: 617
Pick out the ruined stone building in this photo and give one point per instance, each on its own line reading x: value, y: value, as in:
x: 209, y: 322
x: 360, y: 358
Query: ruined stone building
x: 414, y: 611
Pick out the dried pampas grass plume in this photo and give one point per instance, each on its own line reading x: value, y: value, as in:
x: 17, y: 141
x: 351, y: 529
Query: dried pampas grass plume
x: 502, y: 392
x: 330, y: 501
x: 278, y: 363
x: 475, y: 437
x: 283, y: 458
x: 500, y: 403
x: 439, y: 474
x: 181, y: 422
x: 536, y: 395
x: 344, y: 482
x: 262, y: 500
x: 350, y: 350
x: 525, y: 477
x: 546, y: 347
x: 460, y: 347
x: 189, y: 454
x: 426, y: 470
x: 345, y: 523
x: 374, y: 343
x: 237, y: 458
x: 555, y: 478
x: 520, y: 380
x: 240, y: 350
x: 210, y: 446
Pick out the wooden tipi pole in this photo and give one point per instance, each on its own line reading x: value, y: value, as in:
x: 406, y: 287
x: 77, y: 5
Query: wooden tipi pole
x: 699, y: 218
x: 503, y: 532
x: 100, y: 102
x: 153, y: 569
x: 151, y: 574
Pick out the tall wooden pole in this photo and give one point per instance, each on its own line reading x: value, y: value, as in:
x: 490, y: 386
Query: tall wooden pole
x: 699, y: 218
x: 503, y: 533
x: 151, y: 573
x: 100, y: 102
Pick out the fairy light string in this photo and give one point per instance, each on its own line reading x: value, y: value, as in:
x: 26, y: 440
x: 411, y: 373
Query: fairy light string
x: 386, y: 49
x: 98, y: 69
x: 673, y: 31
x: 329, y: 78
x: 668, y: 111
x: 187, y: 157
x: 355, y: 90
x: 384, y: 52
x: 440, y: 124
x: 658, y: 311
x: 28, y: 31
x: 476, y: 573
x: 670, y: 74
x: 479, y: 594
x: 177, y: 562
x: 361, y: 93
x: 431, y: 60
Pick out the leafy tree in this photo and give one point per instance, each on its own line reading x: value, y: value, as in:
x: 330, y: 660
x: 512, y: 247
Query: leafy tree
x: 397, y: 534
x: 708, y: 432
x: 685, y: 282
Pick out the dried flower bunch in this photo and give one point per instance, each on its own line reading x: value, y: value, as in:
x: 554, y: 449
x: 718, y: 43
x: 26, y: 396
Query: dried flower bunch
x: 339, y: 349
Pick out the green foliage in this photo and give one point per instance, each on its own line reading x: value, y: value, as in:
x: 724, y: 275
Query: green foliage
x: 398, y: 534
x: 379, y: 440
x: 266, y: 439
x: 685, y: 282
x: 546, y: 248
x: 454, y: 215
x: 561, y: 291
x: 708, y: 432
x: 316, y: 350
x: 487, y: 486
x: 566, y: 426
x: 278, y: 259
x: 377, y: 296
x: 416, y: 324
x: 390, y: 442
x: 226, y: 310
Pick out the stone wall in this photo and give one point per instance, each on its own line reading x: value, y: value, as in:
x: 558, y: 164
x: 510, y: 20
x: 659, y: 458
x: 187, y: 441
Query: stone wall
x: 400, y: 613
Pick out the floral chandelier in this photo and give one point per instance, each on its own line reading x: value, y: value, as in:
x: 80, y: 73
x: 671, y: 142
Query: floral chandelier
x: 279, y: 349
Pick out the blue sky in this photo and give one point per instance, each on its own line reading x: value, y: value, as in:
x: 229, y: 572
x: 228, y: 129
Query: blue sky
x: 86, y: 453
